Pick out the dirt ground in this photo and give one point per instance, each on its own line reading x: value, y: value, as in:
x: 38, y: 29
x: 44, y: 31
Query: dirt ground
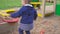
x: 48, y: 25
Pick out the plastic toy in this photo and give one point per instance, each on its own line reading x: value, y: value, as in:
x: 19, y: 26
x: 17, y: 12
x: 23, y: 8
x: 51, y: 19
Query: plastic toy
x: 35, y: 3
x: 4, y: 14
x: 9, y: 10
x: 13, y: 20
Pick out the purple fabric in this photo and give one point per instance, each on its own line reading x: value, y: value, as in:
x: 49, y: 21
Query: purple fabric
x: 26, y: 27
x: 27, y: 12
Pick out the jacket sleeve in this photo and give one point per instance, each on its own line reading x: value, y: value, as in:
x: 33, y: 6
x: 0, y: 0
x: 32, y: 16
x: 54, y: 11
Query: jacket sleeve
x: 35, y: 15
x: 18, y: 13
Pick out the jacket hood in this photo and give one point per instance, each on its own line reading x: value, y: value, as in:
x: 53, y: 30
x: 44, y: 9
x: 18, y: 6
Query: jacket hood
x: 28, y: 5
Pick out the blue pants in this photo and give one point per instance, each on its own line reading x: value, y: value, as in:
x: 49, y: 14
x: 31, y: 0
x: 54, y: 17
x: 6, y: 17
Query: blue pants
x: 21, y: 31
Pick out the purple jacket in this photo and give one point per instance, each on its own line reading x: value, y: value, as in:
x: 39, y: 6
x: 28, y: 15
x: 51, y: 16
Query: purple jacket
x: 28, y: 13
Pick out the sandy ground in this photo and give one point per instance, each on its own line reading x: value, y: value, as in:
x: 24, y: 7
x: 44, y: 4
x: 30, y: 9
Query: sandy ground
x: 47, y: 25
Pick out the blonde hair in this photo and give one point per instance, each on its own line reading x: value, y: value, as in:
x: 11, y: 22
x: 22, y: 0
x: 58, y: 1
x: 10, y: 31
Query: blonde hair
x: 27, y: 1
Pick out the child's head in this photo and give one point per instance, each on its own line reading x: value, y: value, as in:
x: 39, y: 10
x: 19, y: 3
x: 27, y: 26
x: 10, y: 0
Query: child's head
x: 25, y: 2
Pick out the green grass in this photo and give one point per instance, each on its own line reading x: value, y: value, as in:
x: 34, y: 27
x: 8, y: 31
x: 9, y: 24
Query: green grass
x: 48, y: 4
x: 58, y: 2
x: 5, y: 4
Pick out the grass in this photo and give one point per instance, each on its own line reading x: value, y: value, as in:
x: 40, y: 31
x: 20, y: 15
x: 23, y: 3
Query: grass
x: 58, y: 2
x: 48, y: 4
x: 5, y: 4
